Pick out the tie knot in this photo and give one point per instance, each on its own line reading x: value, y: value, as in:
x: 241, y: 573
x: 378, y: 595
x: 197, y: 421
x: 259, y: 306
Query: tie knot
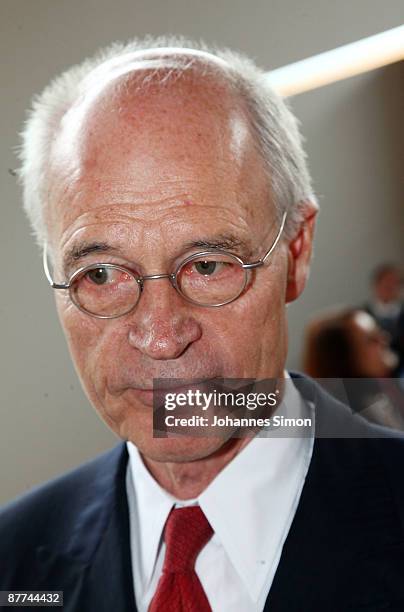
x: 186, y: 532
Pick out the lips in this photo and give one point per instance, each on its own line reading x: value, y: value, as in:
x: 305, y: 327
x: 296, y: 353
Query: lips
x: 150, y: 395
x: 175, y: 384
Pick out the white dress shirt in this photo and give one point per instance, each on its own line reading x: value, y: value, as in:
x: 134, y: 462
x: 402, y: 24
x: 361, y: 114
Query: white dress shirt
x: 250, y: 505
x: 383, y: 310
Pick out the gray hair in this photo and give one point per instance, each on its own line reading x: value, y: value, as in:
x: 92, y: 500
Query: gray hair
x: 273, y: 124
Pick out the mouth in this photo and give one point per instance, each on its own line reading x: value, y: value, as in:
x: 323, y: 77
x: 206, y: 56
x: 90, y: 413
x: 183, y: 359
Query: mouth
x: 150, y: 395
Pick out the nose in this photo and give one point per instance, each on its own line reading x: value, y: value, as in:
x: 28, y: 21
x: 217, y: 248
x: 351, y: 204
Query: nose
x: 163, y: 325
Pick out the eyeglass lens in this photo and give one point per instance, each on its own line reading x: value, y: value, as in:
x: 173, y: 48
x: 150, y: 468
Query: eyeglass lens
x: 111, y: 291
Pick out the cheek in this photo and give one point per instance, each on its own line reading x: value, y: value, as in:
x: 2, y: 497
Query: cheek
x: 252, y: 330
x: 84, y: 335
x: 265, y: 306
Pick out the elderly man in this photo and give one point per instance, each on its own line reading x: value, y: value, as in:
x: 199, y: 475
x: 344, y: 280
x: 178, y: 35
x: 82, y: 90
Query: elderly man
x: 170, y: 188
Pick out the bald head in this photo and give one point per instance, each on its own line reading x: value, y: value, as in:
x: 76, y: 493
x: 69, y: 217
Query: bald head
x: 154, y: 67
x: 137, y: 127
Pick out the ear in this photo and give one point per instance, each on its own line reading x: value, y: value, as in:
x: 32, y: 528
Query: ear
x: 299, y: 253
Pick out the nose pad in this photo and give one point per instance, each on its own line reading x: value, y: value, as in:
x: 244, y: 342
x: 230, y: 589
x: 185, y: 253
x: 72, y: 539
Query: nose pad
x: 173, y: 281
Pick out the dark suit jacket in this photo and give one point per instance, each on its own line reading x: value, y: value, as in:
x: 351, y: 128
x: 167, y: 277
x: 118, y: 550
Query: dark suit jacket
x: 344, y: 551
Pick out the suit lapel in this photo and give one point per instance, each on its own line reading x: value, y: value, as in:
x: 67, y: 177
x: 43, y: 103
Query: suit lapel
x: 344, y: 549
x: 91, y: 560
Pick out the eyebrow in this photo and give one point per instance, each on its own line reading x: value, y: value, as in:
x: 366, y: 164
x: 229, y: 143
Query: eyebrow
x: 78, y: 252
x: 225, y: 242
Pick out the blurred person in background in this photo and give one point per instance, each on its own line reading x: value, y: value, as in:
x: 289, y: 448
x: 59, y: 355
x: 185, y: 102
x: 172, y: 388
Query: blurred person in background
x: 387, y: 307
x: 350, y: 353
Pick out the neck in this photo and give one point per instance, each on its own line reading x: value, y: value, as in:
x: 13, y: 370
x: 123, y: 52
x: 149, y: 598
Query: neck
x: 189, y: 479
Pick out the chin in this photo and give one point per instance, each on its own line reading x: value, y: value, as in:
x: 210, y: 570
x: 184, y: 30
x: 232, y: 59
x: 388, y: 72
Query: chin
x: 180, y: 449
x: 135, y: 424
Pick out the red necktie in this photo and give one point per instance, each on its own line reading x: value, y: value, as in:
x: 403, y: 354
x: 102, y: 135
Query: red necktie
x: 179, y: 589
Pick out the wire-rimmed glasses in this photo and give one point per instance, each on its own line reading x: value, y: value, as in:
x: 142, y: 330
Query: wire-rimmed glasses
x: 209, y: 278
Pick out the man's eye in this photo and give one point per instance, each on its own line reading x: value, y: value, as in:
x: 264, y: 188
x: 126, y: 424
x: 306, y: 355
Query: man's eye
x: 100, y: 276
x: 206, y: 267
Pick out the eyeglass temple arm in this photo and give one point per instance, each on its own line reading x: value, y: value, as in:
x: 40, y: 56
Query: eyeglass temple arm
x: 261, y: 261
x: 47, y: 271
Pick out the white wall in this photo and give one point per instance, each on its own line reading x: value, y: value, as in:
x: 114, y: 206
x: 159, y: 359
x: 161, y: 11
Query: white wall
x: 353, y: 132
x: 355, y: 143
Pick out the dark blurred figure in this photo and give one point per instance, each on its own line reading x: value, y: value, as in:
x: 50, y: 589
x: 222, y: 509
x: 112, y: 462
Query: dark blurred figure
x: 350, y: 354
x: 387, y: 307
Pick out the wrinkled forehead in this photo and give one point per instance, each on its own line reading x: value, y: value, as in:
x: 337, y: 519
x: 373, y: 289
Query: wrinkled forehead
x: 137, y: 132
x: 141, y: 100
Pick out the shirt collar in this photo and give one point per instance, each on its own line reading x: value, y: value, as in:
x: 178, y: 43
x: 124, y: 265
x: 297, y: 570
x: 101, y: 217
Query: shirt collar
x: 152, y: 506
x: 250, y: 509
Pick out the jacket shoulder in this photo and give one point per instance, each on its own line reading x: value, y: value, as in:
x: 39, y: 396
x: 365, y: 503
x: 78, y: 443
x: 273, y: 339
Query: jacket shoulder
x: 47, y: 513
